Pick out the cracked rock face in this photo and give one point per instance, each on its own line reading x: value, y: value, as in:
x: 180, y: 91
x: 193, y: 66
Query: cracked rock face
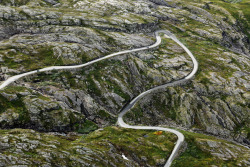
x: 39, y: 33
x: 27, y: 109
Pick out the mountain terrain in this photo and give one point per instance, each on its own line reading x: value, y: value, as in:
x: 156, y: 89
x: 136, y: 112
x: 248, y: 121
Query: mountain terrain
x: 68, y: 117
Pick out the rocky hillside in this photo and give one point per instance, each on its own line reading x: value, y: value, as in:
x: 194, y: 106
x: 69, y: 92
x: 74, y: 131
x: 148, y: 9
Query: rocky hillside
x: 40, y: 33
x: 104, y: 147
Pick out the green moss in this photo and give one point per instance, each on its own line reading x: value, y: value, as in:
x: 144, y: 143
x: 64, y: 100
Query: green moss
x: 16, y: 2
x: 207, y: 57
x: 132, y: 143
x: 116, y: 89
x: 14, y: 89
x: 236, y: 9
x: 169, y: 108
x: 85, y: 57
x: 86, y: 127
x: 96, y: 74
x: 196, y: 156
x: 43, y: 97
x: 24, y: 117
x: 234, y: 61
x: 105, y: 115
x: 16, y: 106
x: 30, y: 153
x: 193, y: 156
x: 31, y: 61
x: 243, y: 127
x: 92, y: 87
x: 108, y: 39
x: 233, y: 1
x: 135, y: 114
x: 137, y: 141
x: 70, y: 78
x: 205, y: 81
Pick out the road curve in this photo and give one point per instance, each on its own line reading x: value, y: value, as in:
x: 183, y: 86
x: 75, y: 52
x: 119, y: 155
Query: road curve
x: 132, y: 103
x: 177, y: 82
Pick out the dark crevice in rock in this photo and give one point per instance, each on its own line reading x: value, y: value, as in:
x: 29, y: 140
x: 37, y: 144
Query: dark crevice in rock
x: 160, y: 2
x: 84, y: 111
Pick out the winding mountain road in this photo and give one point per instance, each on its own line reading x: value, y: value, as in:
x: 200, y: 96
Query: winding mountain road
x: 132, y: 103
x: 178, y: 82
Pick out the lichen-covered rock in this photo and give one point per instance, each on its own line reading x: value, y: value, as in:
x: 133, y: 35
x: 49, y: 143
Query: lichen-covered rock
x: 202, y: 150
x: 29, y: 109
x: 28, y: 147
x: 105, y: 147
x: 35, y: 34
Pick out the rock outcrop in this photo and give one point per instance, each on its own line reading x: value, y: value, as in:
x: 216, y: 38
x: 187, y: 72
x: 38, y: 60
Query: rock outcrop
x: 38, y: 33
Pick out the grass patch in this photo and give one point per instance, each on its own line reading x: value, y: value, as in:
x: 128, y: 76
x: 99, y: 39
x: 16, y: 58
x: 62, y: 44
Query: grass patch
x: 140, y: 142
x: 86, y: 127
x: 196, y: 156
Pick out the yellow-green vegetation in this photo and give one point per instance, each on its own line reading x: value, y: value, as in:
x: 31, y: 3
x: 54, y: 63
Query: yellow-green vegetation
x: 15, y: 104
x: 105, y: 115
x: 207, y: 151
x: 101, y: 146
x: 142, y: 143
x: 237, y: 9
x: 18, y: 104
x: 15, y: 2
x: 15, y: 59
x: 206, y: 52
x: 86, y: 127
x: 15, y: 89
x: 43, y: 34
x: 169, y: 110
x: 105, y: 146
x: 232, y: 1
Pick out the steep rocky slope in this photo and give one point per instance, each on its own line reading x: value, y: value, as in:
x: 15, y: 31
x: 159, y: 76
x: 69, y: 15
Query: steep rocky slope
x: 41, y: 33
